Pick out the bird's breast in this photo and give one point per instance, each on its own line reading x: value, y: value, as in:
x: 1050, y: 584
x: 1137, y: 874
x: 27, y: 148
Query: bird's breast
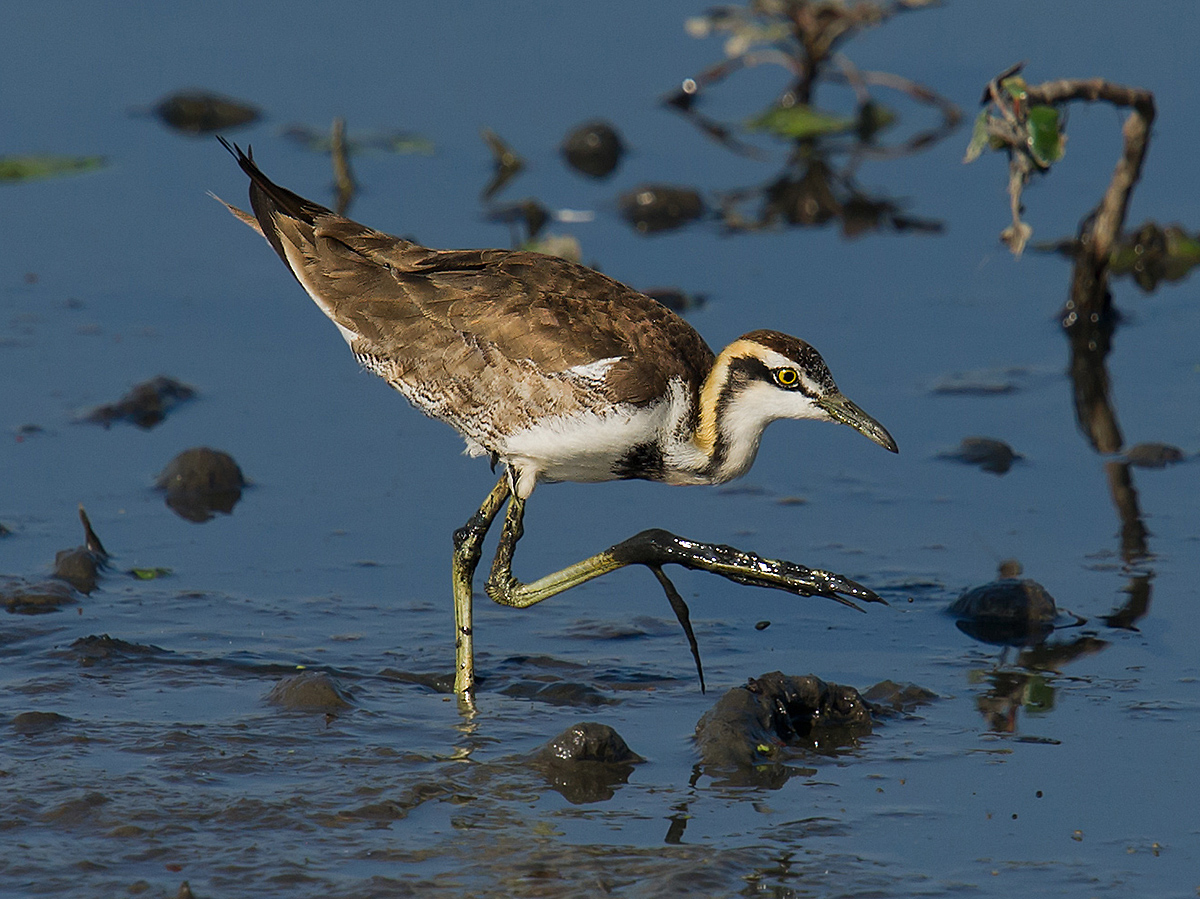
x: 613, y: 442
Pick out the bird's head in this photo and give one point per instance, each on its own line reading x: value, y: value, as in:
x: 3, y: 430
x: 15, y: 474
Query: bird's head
x: 764, y: 376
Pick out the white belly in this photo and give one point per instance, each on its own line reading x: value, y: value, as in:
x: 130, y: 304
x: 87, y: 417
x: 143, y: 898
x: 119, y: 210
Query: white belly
x: 595, y: 446
x: 585, y: 448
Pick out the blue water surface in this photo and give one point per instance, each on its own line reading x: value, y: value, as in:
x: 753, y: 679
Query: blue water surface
x: 1072, y: 777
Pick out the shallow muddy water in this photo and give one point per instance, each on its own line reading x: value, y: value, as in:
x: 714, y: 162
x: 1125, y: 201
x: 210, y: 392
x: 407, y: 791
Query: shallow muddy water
x: 145, y: 738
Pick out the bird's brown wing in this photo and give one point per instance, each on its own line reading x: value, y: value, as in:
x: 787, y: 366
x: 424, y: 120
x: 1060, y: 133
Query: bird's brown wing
x: 528, y: 308
x: 479, y: 327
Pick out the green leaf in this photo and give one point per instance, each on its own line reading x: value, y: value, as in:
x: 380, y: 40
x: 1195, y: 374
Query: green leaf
x: 28, y: 168
x: 800, y: 122
x: 1015, y: 87
x: 1046, y: 141
x: 1153, y: 254
x: 1183, y: 249
x: 979, y: 136
x: 149, y: 574
x: 1039, y: 696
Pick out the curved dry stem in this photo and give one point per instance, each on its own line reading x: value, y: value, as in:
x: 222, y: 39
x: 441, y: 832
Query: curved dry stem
x: 1109, y: 217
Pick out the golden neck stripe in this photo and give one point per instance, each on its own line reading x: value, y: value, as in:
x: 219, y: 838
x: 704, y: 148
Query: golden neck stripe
x: 710, y: 393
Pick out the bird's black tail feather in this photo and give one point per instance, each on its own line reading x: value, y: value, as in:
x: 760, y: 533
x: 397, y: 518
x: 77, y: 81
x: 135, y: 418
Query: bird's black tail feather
x: 263, y: 188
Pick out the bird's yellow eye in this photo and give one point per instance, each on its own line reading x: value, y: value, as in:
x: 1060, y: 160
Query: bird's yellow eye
x: 787, y: 377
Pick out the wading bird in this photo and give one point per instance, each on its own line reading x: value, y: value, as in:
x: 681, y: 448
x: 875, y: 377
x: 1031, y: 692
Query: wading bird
x: 561, y: 374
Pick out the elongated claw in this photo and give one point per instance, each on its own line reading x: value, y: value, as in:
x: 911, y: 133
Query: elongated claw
x: 685, y: 619
x: 658, y: 547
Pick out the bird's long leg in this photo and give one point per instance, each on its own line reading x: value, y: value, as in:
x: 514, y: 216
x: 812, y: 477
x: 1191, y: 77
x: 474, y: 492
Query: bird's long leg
x: 655, y: 548
x: 505, y: 589
x: 468, y: 542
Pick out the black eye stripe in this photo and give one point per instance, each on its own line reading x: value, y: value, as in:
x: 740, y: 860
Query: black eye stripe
x: 745, y: 369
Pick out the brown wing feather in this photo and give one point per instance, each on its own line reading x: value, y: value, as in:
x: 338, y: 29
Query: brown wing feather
x: 530, y: 307
x: 470, y: 323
